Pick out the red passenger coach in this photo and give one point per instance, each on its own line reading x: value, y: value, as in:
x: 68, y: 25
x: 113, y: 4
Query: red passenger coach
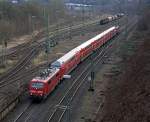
x: 42, y: 86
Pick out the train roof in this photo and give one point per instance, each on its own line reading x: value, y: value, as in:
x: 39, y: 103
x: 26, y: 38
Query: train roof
x: 87, y: 43
x: 47, y: 74
x: 65, y: 58
x: 72, y: 53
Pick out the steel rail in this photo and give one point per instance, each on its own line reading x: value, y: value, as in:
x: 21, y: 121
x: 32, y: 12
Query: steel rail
x: 74, y: 94
x: 74, y: 83
x: 17, y: 68
x: 25, y: 109
x: 66, y: 94
x: 30, y: 105
x: 107, y: 49
x: 88, y: 66
x: 100, y: 105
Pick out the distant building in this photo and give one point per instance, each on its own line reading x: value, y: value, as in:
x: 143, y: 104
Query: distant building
x: 16, y: 1
x: 77, y: 7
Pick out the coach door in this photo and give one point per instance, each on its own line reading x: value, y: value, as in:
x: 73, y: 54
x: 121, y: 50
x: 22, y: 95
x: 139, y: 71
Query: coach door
x: 78, y: 56
x: 71, y: 64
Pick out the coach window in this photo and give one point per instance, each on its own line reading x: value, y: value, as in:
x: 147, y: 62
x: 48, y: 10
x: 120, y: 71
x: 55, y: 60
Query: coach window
x: 88, y: 46
x: 49, y: 81
x: 57, y: 74
x: 56, y: 64
x: 72, y: 58
x: 37, y: 85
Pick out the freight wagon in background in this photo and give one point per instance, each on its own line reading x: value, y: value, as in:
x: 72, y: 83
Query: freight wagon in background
x: 40, y: 87
x: 111, y: 18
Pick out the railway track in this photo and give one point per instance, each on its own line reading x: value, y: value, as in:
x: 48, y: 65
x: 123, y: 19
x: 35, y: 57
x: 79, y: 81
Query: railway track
x: 68, y: 97
x: 25, y: 111
x: 11, y: 74
x: 65, y: 101
x: 130, y: 28
x: 30, y: 46
x: 15, y: 50
x: 17, y: 74
x: 62, y: 106
x: 14, y: 73
x: 28, y: 56
x: 53, y: 34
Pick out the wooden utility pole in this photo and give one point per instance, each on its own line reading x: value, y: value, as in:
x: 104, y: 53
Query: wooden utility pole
x: 3, y: 37
x: 83, y: 16
x: 49, y: 43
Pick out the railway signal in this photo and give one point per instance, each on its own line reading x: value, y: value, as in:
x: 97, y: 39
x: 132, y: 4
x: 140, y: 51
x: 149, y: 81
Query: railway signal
x: 91, y: 79
x: 4, y: 38
x: 4, y: 47
x: 5, y: 42
x: 47, y: 46
x: 92, y: 74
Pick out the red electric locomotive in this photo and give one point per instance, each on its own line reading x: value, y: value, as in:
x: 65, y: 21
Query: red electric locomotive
x: 42, y: 86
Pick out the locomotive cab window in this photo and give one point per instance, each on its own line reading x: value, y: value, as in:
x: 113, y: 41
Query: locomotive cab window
x: 49, y: 81
x: 56, y: 64
x: 37, y: 85
x: 57, y: 74
x: 88, y: 46
x: 72, y: 58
